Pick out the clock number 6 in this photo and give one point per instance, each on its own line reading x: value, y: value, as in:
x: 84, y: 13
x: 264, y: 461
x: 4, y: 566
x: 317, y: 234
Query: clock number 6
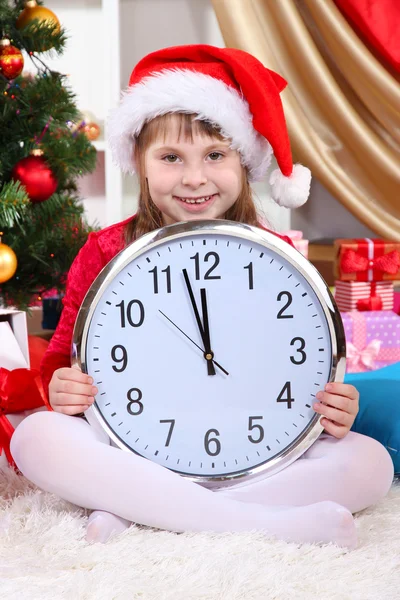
x: 133, y: 401
x: 208, y: 441
x: 301, y: 350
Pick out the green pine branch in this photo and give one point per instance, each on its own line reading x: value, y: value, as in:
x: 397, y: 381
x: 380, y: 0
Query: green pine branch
x: 38, y: 111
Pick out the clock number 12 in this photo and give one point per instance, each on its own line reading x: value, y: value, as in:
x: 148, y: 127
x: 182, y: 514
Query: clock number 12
x: 212, y: 255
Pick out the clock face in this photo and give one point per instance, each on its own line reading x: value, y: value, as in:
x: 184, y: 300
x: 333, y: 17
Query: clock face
x: 221, y: 394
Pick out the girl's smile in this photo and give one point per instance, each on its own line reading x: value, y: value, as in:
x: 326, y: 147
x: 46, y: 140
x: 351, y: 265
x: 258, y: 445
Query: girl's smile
x: 196, y: 204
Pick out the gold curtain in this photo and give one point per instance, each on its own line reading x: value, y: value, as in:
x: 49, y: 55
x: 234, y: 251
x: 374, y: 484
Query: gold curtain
x: 342, y: 106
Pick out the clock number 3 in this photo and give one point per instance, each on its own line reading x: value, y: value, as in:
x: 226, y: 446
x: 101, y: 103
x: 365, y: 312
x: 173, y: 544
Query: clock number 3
x: 303, y: 355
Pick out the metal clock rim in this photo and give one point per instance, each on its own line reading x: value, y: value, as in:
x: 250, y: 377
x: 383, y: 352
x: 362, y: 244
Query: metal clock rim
x: 249, y: 233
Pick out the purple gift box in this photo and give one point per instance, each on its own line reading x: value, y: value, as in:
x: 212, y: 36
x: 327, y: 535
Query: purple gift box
x: 372, y: 339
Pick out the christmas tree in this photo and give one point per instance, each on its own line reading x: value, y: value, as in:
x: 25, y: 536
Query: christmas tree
x: 43, y: 151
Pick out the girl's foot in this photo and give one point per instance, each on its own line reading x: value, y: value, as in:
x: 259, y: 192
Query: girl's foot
x: 323, y: 522
x: 102, y: 525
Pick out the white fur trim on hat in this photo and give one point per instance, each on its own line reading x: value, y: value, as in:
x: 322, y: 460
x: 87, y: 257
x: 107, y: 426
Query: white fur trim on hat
x: 292, y: 191
x: 180, y: 90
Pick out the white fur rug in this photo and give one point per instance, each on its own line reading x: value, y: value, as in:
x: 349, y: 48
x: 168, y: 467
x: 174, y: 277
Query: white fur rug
x: 43, y: 556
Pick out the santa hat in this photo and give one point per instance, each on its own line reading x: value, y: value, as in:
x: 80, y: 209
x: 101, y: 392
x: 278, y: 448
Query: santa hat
x: 227, y: 87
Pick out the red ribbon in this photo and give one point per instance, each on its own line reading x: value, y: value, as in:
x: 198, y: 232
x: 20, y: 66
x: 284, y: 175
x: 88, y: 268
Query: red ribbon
x: 374, y: 302
x: 20, y: 390
x: 354, y: 262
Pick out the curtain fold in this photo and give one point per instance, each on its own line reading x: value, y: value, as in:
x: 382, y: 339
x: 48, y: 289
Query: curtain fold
x: 342, y: 106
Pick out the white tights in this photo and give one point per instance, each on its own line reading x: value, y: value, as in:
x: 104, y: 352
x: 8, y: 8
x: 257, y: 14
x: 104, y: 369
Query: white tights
x: 309, y: 501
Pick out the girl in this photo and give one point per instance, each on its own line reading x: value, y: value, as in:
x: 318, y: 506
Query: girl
x: 197, y: 124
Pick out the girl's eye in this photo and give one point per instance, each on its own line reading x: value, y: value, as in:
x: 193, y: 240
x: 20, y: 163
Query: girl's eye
x: 171, y: 158
x: 215, y: 155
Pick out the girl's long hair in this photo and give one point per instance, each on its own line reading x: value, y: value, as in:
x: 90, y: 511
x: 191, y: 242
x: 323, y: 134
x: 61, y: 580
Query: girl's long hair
x: 148, y: 216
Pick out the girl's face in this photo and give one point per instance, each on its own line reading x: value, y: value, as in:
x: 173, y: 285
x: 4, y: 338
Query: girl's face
x: 189, y: 180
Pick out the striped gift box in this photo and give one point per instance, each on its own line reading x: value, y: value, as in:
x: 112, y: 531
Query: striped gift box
x: 364, y: 295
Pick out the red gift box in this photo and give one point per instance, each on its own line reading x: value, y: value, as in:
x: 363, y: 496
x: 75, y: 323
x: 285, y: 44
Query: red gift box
x: 372, y: 340
x: 362, y: 295
x: 367, y: 260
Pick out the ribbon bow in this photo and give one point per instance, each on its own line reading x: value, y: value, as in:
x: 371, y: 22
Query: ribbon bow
x: 353, y: 262
x: 20, y: 390
x: 366, y: 355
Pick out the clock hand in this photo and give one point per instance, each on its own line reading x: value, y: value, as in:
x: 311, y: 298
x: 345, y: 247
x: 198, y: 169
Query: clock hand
x: 206, y: 328
x: 193, y: 342
x: 207, y: 355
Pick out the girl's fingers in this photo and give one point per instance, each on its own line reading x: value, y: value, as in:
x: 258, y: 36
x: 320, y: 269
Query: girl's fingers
x: 343, y: 389
x: 338, y: 431
x: 333, y: 414
x: 66, y: 399
x: 74, y: 389
x: 344, y: 403
x: 73, y: 374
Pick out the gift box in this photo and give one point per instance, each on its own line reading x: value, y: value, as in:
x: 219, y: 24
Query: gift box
x: 367, y: 260
x: 372, y: 339
x: 14, y: 350
x: 297, y: 238
x: 20, y: 387
x: 360, y: 295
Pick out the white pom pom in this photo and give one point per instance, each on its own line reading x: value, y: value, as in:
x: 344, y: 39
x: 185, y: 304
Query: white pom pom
x: 292, y: 191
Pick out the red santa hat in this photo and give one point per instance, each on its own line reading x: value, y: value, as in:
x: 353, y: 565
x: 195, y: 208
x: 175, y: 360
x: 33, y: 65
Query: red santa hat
x: 227, y: 87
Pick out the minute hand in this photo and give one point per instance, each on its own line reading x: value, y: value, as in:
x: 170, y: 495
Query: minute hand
x: 207, y: 354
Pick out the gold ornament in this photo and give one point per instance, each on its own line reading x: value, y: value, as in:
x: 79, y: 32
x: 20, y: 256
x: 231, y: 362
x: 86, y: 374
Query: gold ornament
x: 92, y: 131
x: 8, y: 262
x: 33, y: 11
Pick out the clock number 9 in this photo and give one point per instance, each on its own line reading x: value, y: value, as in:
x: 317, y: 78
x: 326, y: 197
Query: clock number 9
x: 208, y: 441
x: 133, y: 401
x: 289, y: 298
x: 301, y: 350
x: 123, y: 359
x: 121, y: 305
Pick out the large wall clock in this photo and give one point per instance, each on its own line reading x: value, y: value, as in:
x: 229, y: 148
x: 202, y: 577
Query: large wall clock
x: 208, y: 342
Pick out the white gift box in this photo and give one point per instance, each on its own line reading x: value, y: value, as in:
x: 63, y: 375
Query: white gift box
x: 14, y: 349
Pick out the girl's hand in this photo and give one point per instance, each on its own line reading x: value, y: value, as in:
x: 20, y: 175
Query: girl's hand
x: 339, y: 405
x: 71, y: 391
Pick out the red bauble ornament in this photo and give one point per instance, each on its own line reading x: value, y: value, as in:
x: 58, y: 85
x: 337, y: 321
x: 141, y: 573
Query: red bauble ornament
x: 11, y: 60
x: 36, y: 176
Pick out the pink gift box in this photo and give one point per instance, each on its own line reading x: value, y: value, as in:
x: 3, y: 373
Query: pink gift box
x: 299, y: 243
x: 364, y: 295
x: 372, y: 339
